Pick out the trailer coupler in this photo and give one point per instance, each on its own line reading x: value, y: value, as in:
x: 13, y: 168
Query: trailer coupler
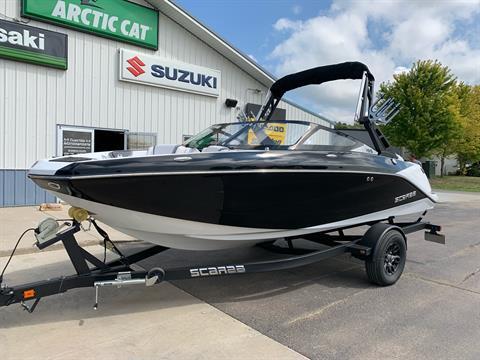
x: 90, y: 271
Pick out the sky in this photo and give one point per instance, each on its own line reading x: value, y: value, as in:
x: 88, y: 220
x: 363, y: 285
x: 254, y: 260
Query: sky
x: 286, y: 36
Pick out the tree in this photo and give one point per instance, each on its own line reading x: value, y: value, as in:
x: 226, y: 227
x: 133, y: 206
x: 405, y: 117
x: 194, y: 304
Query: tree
x: 345, y: 126
x: 468, y: 145
x: 450, y: 144
x: 427, y: 121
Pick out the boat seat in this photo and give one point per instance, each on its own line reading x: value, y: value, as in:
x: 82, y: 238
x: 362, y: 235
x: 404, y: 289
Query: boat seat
x: 162, y: 149
x: 215, y: 148
x: 185, y: 150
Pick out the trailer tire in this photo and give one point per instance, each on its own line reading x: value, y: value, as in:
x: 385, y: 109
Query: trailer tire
x: 385, y: 266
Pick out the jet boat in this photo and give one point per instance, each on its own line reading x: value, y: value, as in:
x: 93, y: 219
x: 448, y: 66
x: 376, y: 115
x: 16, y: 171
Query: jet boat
x: 243, y: 183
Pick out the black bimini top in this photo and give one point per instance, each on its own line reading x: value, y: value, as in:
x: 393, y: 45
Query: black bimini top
x: 318, y: 75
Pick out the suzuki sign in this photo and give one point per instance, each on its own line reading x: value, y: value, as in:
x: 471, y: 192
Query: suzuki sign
x: 155, y: 71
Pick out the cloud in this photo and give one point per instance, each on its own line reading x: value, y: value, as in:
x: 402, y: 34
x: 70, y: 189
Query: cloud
x: 400, y: 70
x: 286, y: 24
x: 297, y: 9
x: 252, y: 57
x: 388, y: 36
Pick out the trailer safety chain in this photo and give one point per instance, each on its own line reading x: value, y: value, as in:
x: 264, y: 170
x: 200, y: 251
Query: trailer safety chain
x: 106, y: 239
x: 30, y: 308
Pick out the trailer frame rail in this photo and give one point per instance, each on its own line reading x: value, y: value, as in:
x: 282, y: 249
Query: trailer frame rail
x: 125, y: 270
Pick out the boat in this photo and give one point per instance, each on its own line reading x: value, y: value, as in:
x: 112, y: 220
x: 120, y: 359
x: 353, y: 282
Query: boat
x: 238, y: 184
x: 248, y: 182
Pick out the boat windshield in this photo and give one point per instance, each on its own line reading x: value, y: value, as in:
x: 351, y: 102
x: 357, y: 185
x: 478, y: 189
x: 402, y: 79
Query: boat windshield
x: 331, y: 140
x: 250, y: 135
x: 279, y: 135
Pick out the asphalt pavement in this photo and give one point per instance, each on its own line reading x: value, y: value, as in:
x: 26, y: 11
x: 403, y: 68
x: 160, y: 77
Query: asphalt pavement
x: 327, y: 310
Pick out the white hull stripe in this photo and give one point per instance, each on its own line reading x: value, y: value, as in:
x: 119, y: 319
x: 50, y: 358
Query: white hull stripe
x: 415, y: 207
x: 203, y: 172
x: 190, y: 235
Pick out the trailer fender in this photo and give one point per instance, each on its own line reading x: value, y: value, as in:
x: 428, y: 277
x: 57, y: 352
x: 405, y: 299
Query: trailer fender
x: 377, y: 231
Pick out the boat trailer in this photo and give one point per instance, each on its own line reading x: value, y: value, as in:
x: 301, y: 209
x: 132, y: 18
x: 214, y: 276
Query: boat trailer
x: 380, y: 247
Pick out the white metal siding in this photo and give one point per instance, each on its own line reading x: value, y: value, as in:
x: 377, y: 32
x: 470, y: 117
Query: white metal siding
x: 34, y: 99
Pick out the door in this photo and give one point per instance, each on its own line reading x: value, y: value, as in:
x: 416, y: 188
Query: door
x: 81, y: 140
x: 107, y: 140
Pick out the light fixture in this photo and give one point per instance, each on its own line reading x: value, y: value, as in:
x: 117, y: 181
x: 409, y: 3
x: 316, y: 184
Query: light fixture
x: 231, y: 103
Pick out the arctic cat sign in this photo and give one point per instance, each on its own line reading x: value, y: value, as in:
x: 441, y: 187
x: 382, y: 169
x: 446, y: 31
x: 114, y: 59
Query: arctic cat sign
x: 34, y: 45
x: 154, y: 71
x: 117, y: 19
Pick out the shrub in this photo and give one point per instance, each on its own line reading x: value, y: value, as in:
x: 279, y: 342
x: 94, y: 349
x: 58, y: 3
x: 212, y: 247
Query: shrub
x: 474, y: 170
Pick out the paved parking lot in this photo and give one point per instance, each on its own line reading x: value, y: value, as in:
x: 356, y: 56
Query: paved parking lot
x: 323, y: 311
x: 330, y: 311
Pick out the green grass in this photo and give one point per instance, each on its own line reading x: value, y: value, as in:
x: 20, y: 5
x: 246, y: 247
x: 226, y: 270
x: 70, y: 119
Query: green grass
x: 456, y: 183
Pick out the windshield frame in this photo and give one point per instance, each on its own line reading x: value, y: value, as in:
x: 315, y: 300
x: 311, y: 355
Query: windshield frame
x: 227, y: 142
x: 356, y: 142
x: 310, y: 130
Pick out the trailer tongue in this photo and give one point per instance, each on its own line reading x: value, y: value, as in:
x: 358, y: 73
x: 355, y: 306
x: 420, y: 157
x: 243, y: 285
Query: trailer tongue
x: 382, y: 247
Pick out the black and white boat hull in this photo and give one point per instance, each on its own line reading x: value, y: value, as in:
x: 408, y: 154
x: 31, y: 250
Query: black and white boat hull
x: 197, y: 206
x: 191, y: 235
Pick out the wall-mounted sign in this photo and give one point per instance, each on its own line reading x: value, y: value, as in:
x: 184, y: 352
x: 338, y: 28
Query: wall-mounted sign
x: 116, y: 19
x: 34, y: 45
x: 77, y: 142
x: 155, y: 71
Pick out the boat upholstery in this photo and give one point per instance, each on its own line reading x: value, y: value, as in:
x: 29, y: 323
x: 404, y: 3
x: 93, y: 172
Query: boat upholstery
x: 215, y: 148
x: 162, y: 149
x: 185, y: 150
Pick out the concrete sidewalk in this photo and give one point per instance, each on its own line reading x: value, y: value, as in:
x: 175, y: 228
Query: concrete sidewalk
x: 159, y: 322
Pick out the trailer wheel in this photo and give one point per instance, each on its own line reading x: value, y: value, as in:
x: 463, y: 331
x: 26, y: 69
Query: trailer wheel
x: 385, y: 266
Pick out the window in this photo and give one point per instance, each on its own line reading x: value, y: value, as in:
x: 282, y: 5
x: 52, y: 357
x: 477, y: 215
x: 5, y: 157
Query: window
x: 185, y: 138
x: 106, y: 140
x: 82, y: 140
x: 141, y: 141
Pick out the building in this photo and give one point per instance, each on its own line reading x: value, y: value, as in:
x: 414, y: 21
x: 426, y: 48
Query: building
x: 92, y: 75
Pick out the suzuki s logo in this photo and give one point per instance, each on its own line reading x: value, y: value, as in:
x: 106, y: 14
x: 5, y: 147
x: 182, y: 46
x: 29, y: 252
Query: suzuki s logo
x: 136, y: 66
